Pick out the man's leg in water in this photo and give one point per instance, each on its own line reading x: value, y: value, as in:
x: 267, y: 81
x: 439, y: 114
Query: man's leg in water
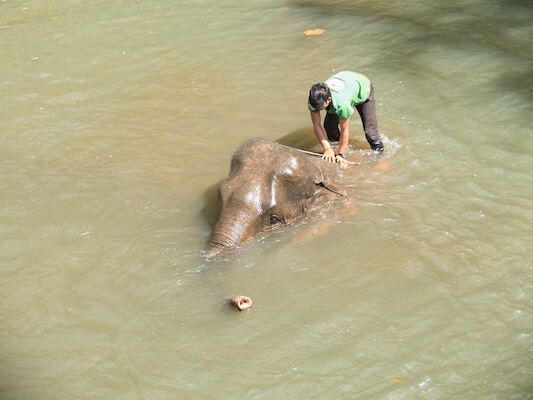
x: 367, y: 112
x: 331, y: 125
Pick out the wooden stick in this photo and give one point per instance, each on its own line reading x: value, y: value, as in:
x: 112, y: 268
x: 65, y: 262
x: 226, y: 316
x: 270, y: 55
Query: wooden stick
x: 318, y: 154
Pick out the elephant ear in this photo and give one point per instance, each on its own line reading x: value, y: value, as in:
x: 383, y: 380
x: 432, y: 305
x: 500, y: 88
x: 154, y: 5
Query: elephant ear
x: 332, y: 188
x: 320, y: 180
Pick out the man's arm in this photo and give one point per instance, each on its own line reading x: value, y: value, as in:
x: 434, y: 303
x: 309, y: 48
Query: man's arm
x: 329, y: 154
x: 345, y: 134
x: 343, y: 140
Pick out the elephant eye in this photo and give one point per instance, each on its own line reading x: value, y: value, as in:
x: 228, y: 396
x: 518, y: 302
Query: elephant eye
x: 274, y: 219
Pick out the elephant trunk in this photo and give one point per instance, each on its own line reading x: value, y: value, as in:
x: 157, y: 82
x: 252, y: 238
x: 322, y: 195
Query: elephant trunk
x: 231, y: 230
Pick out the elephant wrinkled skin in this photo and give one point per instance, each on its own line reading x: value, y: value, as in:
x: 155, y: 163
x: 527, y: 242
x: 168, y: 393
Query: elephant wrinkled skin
x: 268, y: 187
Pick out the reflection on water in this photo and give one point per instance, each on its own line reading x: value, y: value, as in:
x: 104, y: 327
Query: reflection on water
x: 119, y: 122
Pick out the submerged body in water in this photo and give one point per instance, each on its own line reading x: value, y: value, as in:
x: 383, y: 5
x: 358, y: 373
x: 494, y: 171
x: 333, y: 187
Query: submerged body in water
x: 270, y: 186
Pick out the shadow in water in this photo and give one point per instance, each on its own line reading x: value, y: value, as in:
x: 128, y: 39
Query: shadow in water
x: 211, y: 210
x: 303, y: 138
x: 502, y: 28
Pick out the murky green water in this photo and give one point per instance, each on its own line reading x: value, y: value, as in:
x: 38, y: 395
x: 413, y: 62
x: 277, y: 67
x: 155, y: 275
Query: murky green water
x: 118, y: 122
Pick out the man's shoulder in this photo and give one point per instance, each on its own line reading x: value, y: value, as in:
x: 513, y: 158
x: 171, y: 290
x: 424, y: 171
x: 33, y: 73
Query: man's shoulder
x: 336, y: 84
x: 342, y: 79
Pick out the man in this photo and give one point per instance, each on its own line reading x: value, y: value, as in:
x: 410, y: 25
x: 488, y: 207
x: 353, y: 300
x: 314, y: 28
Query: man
x: 338, y: 95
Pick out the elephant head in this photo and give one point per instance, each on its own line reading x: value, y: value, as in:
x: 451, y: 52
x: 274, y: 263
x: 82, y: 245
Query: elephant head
x: 270, y: 186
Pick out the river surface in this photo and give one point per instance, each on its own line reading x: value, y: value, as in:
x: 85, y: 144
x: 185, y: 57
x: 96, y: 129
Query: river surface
x: 119, y: 120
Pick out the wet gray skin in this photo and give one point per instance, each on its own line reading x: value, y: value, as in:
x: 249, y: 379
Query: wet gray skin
x: 268, y: 187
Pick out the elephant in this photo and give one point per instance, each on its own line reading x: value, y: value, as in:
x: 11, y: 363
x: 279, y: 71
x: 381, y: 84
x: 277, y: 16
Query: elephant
x: 270, y: 186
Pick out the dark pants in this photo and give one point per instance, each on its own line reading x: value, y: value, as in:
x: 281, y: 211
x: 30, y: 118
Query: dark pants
x: 367, y: 112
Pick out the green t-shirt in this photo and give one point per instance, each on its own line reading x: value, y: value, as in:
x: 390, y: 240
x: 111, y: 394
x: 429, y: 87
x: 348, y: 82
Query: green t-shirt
x: 348, y: 89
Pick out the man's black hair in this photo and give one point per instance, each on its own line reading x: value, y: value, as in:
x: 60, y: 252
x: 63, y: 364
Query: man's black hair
x: 319, y: 94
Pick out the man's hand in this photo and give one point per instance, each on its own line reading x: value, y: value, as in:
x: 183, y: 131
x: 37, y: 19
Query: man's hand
x: 329, y: 155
